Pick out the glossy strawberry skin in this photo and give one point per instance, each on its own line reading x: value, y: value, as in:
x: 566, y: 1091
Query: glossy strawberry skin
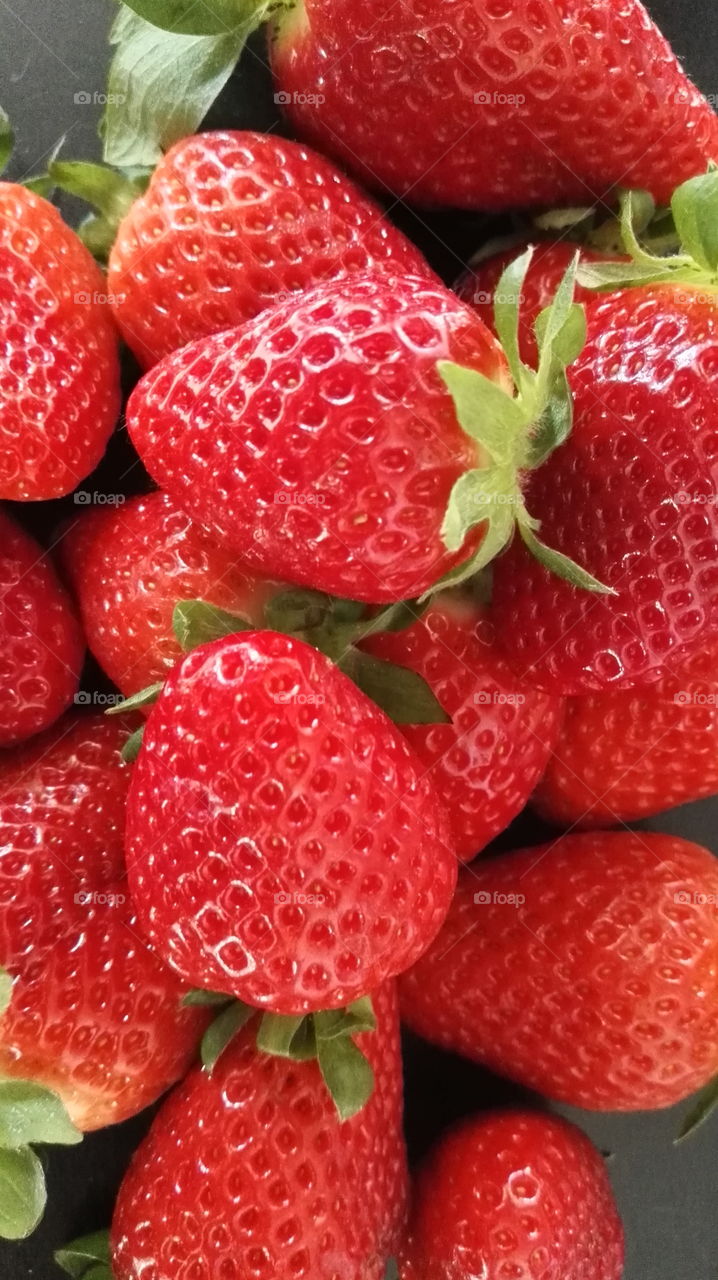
x: 319, y: 442
x: 93, y: 1015
x: 129, y: 566
x: 485, y: 764
x: 59, y: 363
x: 631, y: 497
x: 293, y: 856
x: 232, y: 223
x: 600, y: 988
x: 247, y: 1171
x: 494, y: 105
x: 551, y: 260
x: 514, y: 1193
x: 40, y: 639
x: 628, y: 754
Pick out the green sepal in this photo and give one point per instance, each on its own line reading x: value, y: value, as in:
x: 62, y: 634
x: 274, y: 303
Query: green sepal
x: 143, y: 698
x: 695, y: 213
x: 347, y: 1073
x: 300, y: 609
x: 160, y: 87
x: 704, y: 1106
x: 7, y: 140
x: 355, y: 1019
x: 328, y: 1037
x: 284, y: 1035
x: 109, y: 191
x: 402, y: 694
x: 131, y: 749
x: 210, y: 17
x: 396, y: 617
x: 560, y: 565
x: 6, y: 982
x: 222, y: 1031
x: 87, y: 1258
x: 23, y: 1194
x: 31, y: 1114
x: 200, y: 998
x: 197, y: 622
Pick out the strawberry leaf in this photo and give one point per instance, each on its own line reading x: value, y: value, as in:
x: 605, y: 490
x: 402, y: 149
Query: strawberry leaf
x: 5, y: 990
x: 143, y: 698
x: 131, y: 749
x: 160, y: 87
x: 695, y: 213
x: 486, y: 411
x: 706, y: 1103
x: 7, y: 140
x: 561, y: 565
x: 30, y: 1113
x: 401, y: 694
x: 211, y: 17
x: 110, y: 192
x: 196, y: 622
x: 87, y: 1258
x: 222, y: 1031
x: 507, y: 310
x: 22, y: 1193
x: 347, y: 1074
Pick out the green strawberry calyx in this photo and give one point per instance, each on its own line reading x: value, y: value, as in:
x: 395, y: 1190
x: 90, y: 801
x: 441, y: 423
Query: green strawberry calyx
x: 30, y: 1114
x: 703, y: 1107
x: 326, y: 1037
x: 111, y: 192
x: 87, y: 1258
x: 517, y: 428
x: 692, y: 260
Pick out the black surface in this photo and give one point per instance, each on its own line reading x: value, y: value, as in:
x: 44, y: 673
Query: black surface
x: 51, y: 50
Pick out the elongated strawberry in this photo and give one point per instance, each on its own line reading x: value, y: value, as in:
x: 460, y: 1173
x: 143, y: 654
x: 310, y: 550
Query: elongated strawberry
x: 364, y: 440
x: 92, y: 1030
x: 515, y: 1193
x: 230, y: 224
x: 627, y: 754
x: 631, y: 493
x: 282, y: 845
x: 586, y: 969
x: 42, y: 645
x: 484, y: 764
x: 248, y: 1171
x: 130, y: 565
x: 59, y: 366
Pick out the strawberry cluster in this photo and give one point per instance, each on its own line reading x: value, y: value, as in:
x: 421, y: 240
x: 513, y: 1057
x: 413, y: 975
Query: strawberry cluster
x: 389, y: 561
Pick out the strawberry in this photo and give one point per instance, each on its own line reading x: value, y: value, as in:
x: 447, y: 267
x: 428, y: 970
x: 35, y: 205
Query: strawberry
x: 336, y: 443
x: 59, y: 365
x: 631, y: 493
x: 42, y: 645
x: 627, y: 754
x: 586, y: 969
x: 484, y: 764
x: 130, y: 565
x: 231, y: 223
x: 282, y: 845
x: 248, y: 1172
x: 516, y: 1194
x: 92, y: 1030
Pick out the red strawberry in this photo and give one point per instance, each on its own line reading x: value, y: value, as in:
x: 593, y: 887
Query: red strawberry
x: 129, y: 567
x: 248, y: 1172
x: 484, y: 764
x: 93, y: 1016
x: 493, y: 105
x: 586, y: 969
x: 59, y: 366
x: 478, y: 286
x: 42, y: 646
x: 335, y: 442
x: 282, y: 846
x: 515, y: 1194
x: 625, y: 755
x: 232, y: 223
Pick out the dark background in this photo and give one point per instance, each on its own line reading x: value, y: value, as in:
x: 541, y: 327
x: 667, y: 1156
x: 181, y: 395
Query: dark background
x: 51, y: 50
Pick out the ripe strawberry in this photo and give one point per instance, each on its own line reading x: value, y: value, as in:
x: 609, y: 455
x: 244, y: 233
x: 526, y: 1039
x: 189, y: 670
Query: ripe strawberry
x: 59, y: 366
x: 625, y: 755
x: 479, y: 285
x: 485, y: 764
x: 586, y: 969
x: 232, y: 223
x: 631, y: 494
x: 248, y: 1172
x: 93, y: 1015
x: 493, y: 105
x: 129, y: 566
x: 334, y: 442
x: 42, y: 646
x: 290, y: 853
x: 514, y: 1194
